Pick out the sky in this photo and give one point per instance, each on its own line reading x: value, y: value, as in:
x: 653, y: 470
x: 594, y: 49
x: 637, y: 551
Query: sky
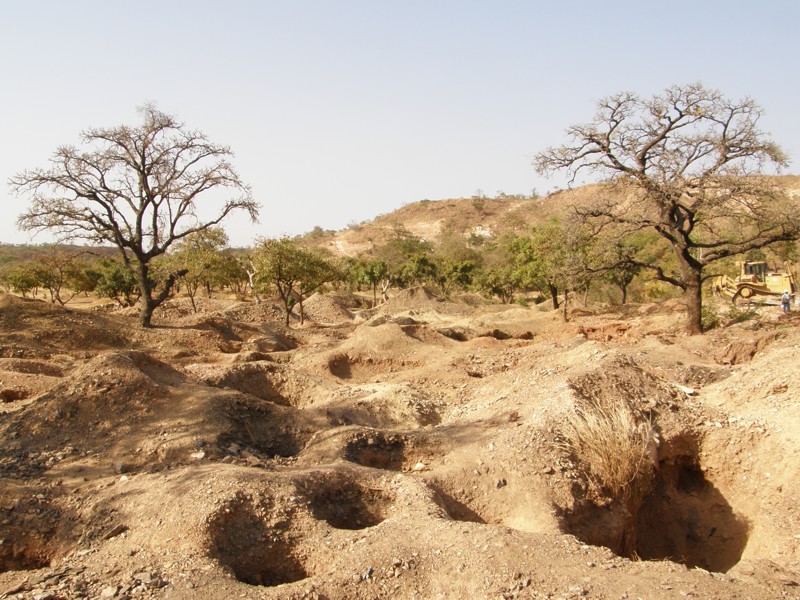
x: 342, y: 110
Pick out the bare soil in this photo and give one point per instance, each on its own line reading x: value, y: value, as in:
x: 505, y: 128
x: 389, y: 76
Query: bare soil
x: 413, y: 450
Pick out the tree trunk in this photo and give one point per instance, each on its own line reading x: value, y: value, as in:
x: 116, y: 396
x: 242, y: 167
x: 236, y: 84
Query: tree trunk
x: 287, y: 309
x: 146, y: 306
x: 624, y: 289
x: 251, y: 274
x: 191, y: 298
x: 148, y: 302
x: 694, y: 305
x: 692, y: 278
x: 553, y: 295
x: 385, y: 288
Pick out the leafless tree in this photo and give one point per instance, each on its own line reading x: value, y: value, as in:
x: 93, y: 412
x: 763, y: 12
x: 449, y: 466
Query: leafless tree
x: 688, y: 164
x: 136, y: 188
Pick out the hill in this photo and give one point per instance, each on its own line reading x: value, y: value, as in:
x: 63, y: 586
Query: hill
x: 476, y: 216
x: 431, y: 219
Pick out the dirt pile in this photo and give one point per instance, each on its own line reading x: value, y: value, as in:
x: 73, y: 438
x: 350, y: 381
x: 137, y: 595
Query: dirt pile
x: 416, y: 449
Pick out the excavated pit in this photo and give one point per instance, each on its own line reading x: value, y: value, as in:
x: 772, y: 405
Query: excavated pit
x: 260, y: 379
x: 683, y: 518
x: 346, y: 504
x: 456, y: 508
x: 25, y: 553
x: 269, y: 429
x: 12, y: 395
x: 362, y: 370
x: 378, y: 450
x: 35, y: 531
x: 687, y: 520
x: 250, y: 541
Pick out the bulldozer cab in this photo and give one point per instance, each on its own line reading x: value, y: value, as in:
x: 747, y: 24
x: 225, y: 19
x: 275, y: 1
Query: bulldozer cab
x: 753, y: 271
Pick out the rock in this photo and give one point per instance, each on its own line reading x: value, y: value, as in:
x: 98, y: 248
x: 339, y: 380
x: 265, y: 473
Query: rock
x: 115, y: 531
x: 15, y: 589
x: 198, y: 455
x: 144, y: 577
x: 110, y: 591
x: 251, y: 459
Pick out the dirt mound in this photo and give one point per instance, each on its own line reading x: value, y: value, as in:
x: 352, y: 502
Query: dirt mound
x: 382, y: 405
x: 331, y: 309
x: 741, y: 350
x: 251, y: 312
x: 36, y: 329
x: 420, y: 449
x: 263, y: 379
x: 414, y: 298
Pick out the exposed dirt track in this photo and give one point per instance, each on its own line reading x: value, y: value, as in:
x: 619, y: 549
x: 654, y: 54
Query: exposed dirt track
x: 414, y: 450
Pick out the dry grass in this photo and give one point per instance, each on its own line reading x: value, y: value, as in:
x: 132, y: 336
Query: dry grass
x: 614, y: 445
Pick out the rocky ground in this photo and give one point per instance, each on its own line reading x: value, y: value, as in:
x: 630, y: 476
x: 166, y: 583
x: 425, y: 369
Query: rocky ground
x: 413, y: 450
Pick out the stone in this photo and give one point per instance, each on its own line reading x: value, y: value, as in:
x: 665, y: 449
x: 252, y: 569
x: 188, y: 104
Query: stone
x: 143, y: 577
x: 115, y: 531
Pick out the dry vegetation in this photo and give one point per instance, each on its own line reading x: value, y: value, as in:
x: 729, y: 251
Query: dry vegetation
x: 613, y: 444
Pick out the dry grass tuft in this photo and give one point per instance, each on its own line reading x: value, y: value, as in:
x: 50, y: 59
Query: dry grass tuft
x: 614, y: 444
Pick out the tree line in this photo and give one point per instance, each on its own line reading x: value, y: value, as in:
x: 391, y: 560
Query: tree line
x: 548, y: 263
x: 682, y: 193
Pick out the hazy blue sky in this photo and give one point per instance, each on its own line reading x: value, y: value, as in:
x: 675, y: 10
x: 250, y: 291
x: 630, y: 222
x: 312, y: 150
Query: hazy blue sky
x: 339, y: 111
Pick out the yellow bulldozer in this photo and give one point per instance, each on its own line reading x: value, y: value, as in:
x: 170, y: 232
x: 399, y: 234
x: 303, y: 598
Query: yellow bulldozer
x: 755, y: 283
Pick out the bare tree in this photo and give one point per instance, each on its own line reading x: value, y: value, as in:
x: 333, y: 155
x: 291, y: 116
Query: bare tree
x: 136, y: 188
x: 689, y: 165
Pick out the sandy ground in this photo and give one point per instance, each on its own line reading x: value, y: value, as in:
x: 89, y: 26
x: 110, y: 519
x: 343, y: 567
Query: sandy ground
x: 414, y: 450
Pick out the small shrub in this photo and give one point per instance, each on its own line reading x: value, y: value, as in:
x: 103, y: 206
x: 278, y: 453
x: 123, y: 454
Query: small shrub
x: 614, y: 445
x: 740, y: 315
x: 709, y: 317
x: 522, y: 301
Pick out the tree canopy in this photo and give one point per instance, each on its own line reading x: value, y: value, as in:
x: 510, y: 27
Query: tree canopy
x: 294, y: 271
x: 689, y: 163
x: 137, y: 188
